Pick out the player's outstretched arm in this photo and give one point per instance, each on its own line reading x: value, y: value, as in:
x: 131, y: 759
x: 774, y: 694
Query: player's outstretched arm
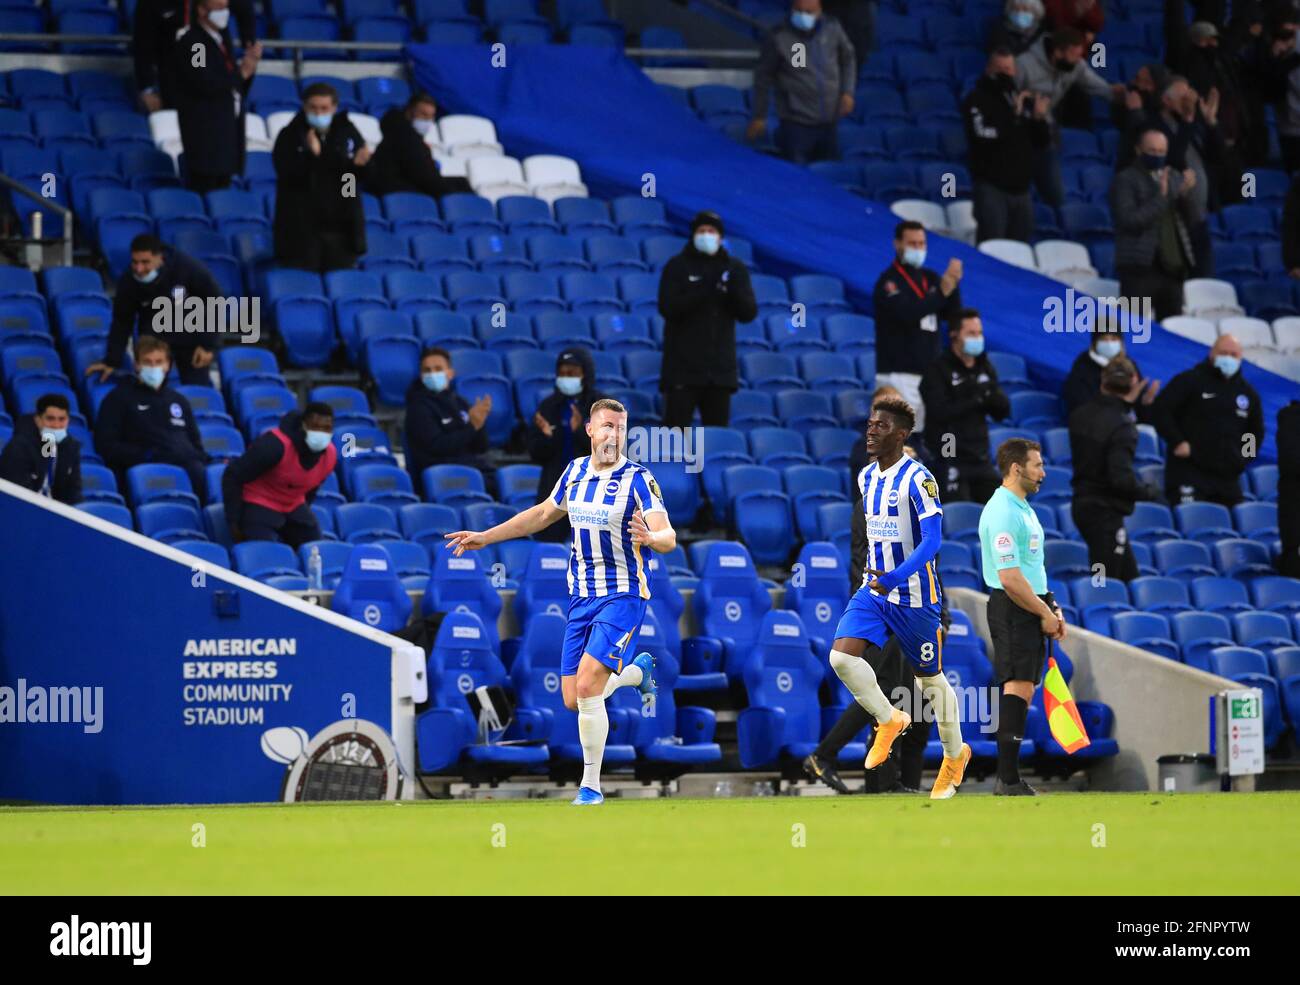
x: 653, y: 531
x: 523, y: 524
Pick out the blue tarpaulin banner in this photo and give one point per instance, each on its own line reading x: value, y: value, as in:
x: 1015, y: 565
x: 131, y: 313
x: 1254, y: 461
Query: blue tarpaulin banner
x: 594, y: 105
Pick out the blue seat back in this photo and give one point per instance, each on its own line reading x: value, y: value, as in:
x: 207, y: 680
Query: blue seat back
x: 781, y: 672
x: 370, y: 590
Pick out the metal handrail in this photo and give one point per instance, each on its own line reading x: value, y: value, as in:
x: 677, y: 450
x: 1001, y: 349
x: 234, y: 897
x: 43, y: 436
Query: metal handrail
x: 54, y: 206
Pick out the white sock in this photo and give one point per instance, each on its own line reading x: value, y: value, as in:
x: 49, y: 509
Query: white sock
x: 631, y: 676
x: 943, y: 699
x: 860, y: 679
x: 593, y: 730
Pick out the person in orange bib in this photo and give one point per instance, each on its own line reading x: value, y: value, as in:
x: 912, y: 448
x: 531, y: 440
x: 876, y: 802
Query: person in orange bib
x: 268, y: 490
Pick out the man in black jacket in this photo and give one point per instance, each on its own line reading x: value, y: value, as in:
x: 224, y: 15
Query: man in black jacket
x: 1213, y: 422
x: 961, y: 389
x: 1288, y: 488
x: 1290, y: 232
x: 442, y: 427
x: 908, y: 301
x: 41, y: 455
x: 320, y: 224
x: 157, y: 25
x: 1084, y: 378
x: 211, y: 97
x: 268, y: 490
x: 403, y: 162
x: 1002, y: 129
x: 703, y: 292
x: 143, y: 420
x: 1103, y: 443
x: 160, y: 271
x: 557, y: 436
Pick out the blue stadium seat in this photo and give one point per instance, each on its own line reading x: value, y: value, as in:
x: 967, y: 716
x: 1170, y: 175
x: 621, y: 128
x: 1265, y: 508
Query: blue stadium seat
x: 781, y: 678
x: 1262, y: 630
x: 1150, y: 522
x: 1276, y: 594
x: 728, y: 604
x: 426, y: 523
x: 370, y: 590
x: 1197, y: 633
x: 1185, y: 559
x: 462, y: 659
x: 1243, y: 559
x: 159, y: 483
x: 387, y: 485
x: 1147, y: 630
x: 1160, y: 595
x: 544, y: 587
x: 362, y: 523
x: 1097, y: 603
x: 334, y: 555
x: 819, y: 593
x: 262, y: 559
x: 460, y: 584
x: 1206, y: 522
x: 169, y: 521
x: 1219, y: 594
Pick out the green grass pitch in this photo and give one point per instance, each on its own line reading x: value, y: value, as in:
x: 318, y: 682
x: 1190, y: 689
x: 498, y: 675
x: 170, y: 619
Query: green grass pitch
x: 1148, y: 843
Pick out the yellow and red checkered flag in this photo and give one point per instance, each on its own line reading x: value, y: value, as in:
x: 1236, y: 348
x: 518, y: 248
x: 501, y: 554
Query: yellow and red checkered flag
x: 1062, y: 713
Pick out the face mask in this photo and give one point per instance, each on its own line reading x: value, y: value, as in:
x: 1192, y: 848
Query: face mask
x: 1062, y: 65
x: 437, y: 382
x: 1153, y: 162
x: 1108, y: 349
x: 422, y: 127
x: 1022, y: 19
x: 802, y: 20
x: 219, y: 18
x: 148, y: 278
x: 707, y: 243
x: 1227, y: 365
x: 973, y: 346
x: 319, y: 121
x: 152, y: 376
x: 54, y: 434
x: 570, y: 386
x: 318, y: 440
x: 914, y: 257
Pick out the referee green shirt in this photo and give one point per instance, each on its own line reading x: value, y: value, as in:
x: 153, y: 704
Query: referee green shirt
x: 1012, y: 537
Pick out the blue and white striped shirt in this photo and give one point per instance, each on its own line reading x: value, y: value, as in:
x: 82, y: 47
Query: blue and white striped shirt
x: 603, y: 560
x: 895, y: 502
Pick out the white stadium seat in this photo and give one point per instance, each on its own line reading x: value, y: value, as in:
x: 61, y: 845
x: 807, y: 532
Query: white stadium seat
x: 497, y: 177
x: 1010, y: 251
x: 1284, y: 364
x: 369, y: 128
x: 928, y: 214
x: 255, y: 134
x: 164, y: 125
x: 1250, y: 332
x: 550, y: 176
x: 469, y: 136
x: 1286, y: 332
x: 452, y: 167
x: 1197, y: 329
x: 1099, y: 287
x: 434, y: 137
x: 961, y: 220
x: 1206, y: 297
x: 277, y: 122
x: 1064, y: 260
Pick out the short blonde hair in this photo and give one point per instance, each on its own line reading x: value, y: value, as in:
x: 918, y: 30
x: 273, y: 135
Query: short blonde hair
x: 607, y: 403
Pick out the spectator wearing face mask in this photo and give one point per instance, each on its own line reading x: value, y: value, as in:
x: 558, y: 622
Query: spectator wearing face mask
x: 1003, y: 127
x: 908, y: 302
x: 143, y: 420
x: 269, y: 489
x: 703, y: 292
x: 1020, y: 26
x: 961, y: 391
x: 160, y: 271
x: 319, y: 157
x: 403, y: 162
x: 1154, y: 212
x: 442, y: 427
x: 812, y: 93
x: 1103, y: 446
x: 41, y: 455
x: 155, y: 27
x: 211, y: 97
x: 1054, y: 67
x: 1084, y: 378
x: 557, y: 434
x: 1212, y: 420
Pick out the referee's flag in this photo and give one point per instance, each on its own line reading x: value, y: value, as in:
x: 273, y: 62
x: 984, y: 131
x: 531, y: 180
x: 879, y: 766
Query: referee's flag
x: 1062, y: 714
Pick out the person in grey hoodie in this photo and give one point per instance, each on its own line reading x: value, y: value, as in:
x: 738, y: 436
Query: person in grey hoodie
x: 809, y: 61
x: 1052, y: 68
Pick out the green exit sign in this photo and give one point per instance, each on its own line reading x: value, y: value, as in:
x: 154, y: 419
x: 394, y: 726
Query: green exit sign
x: 1244, y: 708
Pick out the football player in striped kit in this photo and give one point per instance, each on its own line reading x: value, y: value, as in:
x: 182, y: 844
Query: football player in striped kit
x: 615, y: 510
x: 900, y: 595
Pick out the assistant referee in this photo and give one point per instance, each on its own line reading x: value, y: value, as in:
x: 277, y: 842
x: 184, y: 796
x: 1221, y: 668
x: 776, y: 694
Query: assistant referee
x: 1022, y: 614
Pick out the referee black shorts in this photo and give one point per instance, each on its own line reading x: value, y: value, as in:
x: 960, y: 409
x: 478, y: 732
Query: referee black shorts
x: 1019, y: 646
